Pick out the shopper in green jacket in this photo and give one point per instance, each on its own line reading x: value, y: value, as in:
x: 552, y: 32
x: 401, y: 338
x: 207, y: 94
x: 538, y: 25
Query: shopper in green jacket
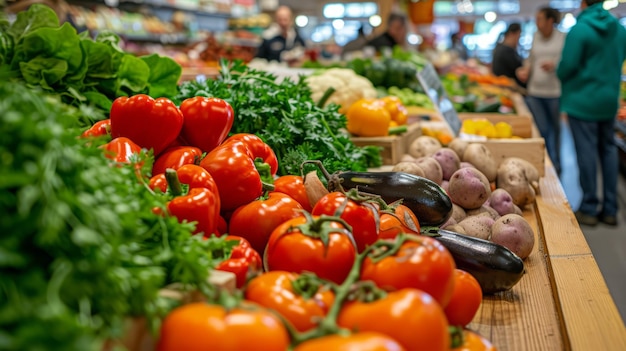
x: 590, y: 73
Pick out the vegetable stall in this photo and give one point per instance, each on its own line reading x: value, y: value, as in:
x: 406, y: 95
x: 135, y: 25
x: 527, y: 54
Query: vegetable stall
x: 137, y: 209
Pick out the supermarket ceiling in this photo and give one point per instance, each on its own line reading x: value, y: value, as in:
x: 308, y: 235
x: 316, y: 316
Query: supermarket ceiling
x: 526, y: 7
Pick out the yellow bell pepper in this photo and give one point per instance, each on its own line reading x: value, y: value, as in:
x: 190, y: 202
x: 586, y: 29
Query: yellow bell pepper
x: 368, y: 118
x: 396, y: 109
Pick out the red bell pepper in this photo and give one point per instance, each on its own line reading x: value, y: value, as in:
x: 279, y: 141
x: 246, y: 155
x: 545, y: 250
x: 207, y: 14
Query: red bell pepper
x: 207, y: 121
x: 100, y: 128
x: 244, y: 261
x: 175, y: 157
x: 259, y: 149
x: 201, y: 204
x: 152, y: 124
x: 240, y: 170
x: 120, y: 149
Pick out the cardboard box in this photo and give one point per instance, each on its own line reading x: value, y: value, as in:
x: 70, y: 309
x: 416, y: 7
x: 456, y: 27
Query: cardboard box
x: 394, y: 146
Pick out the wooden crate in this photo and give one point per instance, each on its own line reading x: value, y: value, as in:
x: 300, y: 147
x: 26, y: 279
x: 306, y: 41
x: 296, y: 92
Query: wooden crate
x: 394, y: 146
x: 530, y: 148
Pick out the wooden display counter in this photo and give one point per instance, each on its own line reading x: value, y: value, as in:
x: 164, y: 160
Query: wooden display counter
x: 562, y: 302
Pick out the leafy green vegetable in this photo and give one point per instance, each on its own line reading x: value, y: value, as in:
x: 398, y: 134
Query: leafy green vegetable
x: 286, y: 118
x: 31, y: 20
x: 81, y: 248
x: 162, y: 72
x: 39, y: 51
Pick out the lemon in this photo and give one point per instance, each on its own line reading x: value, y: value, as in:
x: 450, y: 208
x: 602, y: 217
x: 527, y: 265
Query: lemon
x: 503, y: 130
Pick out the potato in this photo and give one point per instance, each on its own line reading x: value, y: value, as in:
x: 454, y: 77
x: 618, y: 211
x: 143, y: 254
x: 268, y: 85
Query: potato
x: 477, y: 226
x: 456, y: 228
x: 424, y: 146
x: 407, y: 157
x: 479, y: 156
x: 448, y: 160
x: 530, y: 171
x: 449, y: 222
x: 512, y: 178
x: 458, y: 145
x: 445, y: 185
x: 484, y: 210
x: 408, y: 167
x: 458, y: 213
x: 501, y: 201
x: 513, y: 232
x: 314, y: 188
x: 466, y: 165
x: 432, y: 169
x: 469, y: 188
x: 518, y: 210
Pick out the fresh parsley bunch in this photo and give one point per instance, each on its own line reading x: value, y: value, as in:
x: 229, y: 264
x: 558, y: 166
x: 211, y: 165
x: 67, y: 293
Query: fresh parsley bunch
x: 286, y: 118
x: 80, y: 247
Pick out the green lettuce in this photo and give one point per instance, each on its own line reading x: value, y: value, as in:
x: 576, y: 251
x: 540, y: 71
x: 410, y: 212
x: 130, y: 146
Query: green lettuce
x: 38, y: 50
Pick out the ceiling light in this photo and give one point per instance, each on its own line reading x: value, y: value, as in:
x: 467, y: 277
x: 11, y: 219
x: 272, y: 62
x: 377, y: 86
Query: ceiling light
x: 490, y: 16
x: 375, y: 20
x: 302, y: 21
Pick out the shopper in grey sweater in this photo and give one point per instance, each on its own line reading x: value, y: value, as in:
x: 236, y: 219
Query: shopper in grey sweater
x: 544, y: 87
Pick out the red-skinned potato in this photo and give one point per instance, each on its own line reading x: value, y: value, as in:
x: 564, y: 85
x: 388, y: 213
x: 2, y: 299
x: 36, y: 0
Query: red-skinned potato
x: 513, y: 232
x: 448, y: 160
x: 469, y: 188
x: 501, y: 201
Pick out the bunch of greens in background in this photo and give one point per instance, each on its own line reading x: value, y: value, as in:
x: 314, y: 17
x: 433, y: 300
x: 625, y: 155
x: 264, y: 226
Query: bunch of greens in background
x: 41, y: 52
x: 286, y: 118
x: 81, y: 248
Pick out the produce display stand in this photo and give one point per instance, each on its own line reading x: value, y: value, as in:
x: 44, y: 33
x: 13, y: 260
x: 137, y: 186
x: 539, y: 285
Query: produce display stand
x: 393, y: 146
x: 562, y: 302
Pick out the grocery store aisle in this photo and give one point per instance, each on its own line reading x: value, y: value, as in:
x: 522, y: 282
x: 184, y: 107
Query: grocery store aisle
x: 608, y: 244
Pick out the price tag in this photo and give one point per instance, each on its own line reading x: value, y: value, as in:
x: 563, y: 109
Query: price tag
x: 429, y: 80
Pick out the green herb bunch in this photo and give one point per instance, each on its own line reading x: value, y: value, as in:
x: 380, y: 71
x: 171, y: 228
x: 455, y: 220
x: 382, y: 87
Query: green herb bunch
x: 286, y: 118
x: 38, y: 50
x: 80, y: 246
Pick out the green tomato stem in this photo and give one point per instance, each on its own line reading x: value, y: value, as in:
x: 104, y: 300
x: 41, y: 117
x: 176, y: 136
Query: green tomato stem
x: 173, y: 182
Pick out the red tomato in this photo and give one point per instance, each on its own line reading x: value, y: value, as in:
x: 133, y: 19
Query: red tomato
x: 466, y: 298
x: 364, y: 341
x: 403, y: 220
x: 422, y: 264
x: 200, y: 326
x: 311, y: 244
x: 362, y: 217
x: 410, y: 316
x: 244, y: 261
x: 474, y: 342
x: 293, y: 186
x: 282, y: 292
x: 256, y: 220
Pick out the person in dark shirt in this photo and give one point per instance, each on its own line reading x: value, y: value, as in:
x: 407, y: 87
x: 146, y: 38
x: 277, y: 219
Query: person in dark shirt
x: 356, y: 44
x: 506, y: 59
x: 395, y: 34
x: 280, y: 38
